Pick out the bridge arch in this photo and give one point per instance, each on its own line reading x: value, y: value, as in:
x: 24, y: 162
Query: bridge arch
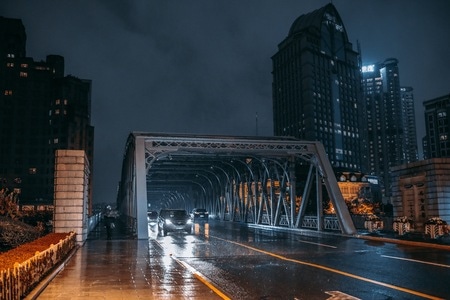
x: 275, y: 181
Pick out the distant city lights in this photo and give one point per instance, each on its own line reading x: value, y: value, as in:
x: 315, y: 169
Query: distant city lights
x: 368, y: 68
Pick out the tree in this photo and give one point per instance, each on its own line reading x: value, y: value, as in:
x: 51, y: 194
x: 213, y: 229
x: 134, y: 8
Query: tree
x: 9, y: 204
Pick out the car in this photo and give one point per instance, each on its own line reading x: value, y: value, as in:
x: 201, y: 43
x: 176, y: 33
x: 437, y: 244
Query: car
x: 199, y: 214
x: 152, y: 217
x: 171, y: 220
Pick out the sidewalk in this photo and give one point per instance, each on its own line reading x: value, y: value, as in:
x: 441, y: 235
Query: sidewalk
x: 121, y: 268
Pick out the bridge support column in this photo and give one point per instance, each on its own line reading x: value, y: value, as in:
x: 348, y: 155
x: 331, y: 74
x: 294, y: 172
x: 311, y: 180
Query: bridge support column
x: 140, y: 212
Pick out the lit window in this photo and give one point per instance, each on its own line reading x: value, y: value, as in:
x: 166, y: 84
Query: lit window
x: 55, y: 141
x: 8, y: 92
x: 32, y: 170
x: 65, y: 101
x: 23, y: 74
x: 56, y: 111
x: 58, y: 101
x: 10, y: 65
x: 24, y: 65
x: 11, y: 55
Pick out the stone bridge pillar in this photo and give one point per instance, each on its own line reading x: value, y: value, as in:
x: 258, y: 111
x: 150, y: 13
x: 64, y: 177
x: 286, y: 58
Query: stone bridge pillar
x: 71, y: 193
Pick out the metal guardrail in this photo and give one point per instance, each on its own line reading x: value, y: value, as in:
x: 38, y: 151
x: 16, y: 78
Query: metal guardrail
x: 329, y: 223
x: 17, y: 282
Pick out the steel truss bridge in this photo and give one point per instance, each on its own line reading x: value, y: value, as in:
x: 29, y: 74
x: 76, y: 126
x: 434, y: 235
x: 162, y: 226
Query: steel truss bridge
x: 273, y: 181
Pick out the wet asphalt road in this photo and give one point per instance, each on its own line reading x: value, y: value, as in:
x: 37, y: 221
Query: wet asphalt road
x: 250, y: 263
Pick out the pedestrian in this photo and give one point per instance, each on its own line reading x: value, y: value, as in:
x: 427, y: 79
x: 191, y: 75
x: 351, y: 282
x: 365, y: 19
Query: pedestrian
x: 109, y: 222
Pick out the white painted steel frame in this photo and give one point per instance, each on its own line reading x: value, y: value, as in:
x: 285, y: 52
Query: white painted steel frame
x: 244, y: 195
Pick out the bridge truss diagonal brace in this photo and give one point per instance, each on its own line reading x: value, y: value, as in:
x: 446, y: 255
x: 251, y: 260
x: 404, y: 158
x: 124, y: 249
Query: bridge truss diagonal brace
x: 329, y: 179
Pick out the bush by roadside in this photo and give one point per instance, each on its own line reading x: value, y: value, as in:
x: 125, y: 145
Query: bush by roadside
x: 25, y: 251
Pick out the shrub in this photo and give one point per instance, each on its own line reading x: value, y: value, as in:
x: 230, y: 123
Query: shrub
x: 14, y: 233
x: 28, y: 250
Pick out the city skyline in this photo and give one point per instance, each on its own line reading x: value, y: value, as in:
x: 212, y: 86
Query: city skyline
x: 205, y: 67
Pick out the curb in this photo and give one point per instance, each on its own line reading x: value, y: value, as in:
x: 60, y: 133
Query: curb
x: 403, y: 242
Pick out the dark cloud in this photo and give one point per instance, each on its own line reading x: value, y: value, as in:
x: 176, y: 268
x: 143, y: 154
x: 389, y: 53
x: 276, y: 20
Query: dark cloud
x: 204, y: 66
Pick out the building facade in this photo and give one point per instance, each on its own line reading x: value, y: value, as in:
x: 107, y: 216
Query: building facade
x: 41, y: 111
x: 409, y: 124
x: 420, y: 191
x: 316, y: 87
x: 437, y: 123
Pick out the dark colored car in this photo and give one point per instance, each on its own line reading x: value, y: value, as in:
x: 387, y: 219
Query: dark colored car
x: 170, y: 220
x: 152, y: 217
x: 199, y: 214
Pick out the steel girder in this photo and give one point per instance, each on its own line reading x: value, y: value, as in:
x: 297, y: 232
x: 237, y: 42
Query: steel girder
x: 246, y: 179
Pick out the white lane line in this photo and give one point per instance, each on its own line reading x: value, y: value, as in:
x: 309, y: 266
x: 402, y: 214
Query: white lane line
x: 319, y: 244
x: 417, y: 261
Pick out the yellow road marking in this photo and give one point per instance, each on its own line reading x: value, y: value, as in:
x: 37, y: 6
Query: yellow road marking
x: 202, y: 278
x: 391, y: 286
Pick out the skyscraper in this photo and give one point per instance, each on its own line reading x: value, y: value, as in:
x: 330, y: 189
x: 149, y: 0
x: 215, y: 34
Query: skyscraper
x: 317, y: 87
x: 41, y: 111
x: 409, y: 124
x: 391, y: 130
x: 437, y: 124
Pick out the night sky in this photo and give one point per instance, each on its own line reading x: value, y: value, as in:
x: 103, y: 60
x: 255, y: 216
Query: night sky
x: 204, y: 67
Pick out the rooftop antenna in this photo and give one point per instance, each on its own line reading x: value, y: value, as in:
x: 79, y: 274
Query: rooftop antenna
x: 256, y: 124
x: 359, y: 53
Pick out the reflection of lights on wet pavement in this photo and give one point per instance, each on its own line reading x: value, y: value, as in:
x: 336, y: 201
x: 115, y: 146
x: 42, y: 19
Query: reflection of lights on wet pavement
x: 202, y: 228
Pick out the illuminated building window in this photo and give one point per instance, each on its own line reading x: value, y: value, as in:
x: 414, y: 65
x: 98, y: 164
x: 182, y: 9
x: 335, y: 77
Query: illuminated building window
x: 56, y: 111
x: 32, y: 171
x: 24, y: 65
x: 65, y: 101
x: 23, y: 74
x: 443, y: 137
x: 10, y: 65
x: 58, y: 101
x: 8, y: 92
x: 10, y: 55
x: 442, y: 114
x: 55, y: 141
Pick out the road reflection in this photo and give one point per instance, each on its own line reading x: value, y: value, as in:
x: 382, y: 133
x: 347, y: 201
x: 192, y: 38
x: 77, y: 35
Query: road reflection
x: 201, y: 229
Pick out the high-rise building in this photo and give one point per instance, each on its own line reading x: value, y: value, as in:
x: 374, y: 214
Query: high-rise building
x: 409, y: 124
x: 41, y: 111
x: 437, y: 123
x: 391, y: 130
x: 317, y: 87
